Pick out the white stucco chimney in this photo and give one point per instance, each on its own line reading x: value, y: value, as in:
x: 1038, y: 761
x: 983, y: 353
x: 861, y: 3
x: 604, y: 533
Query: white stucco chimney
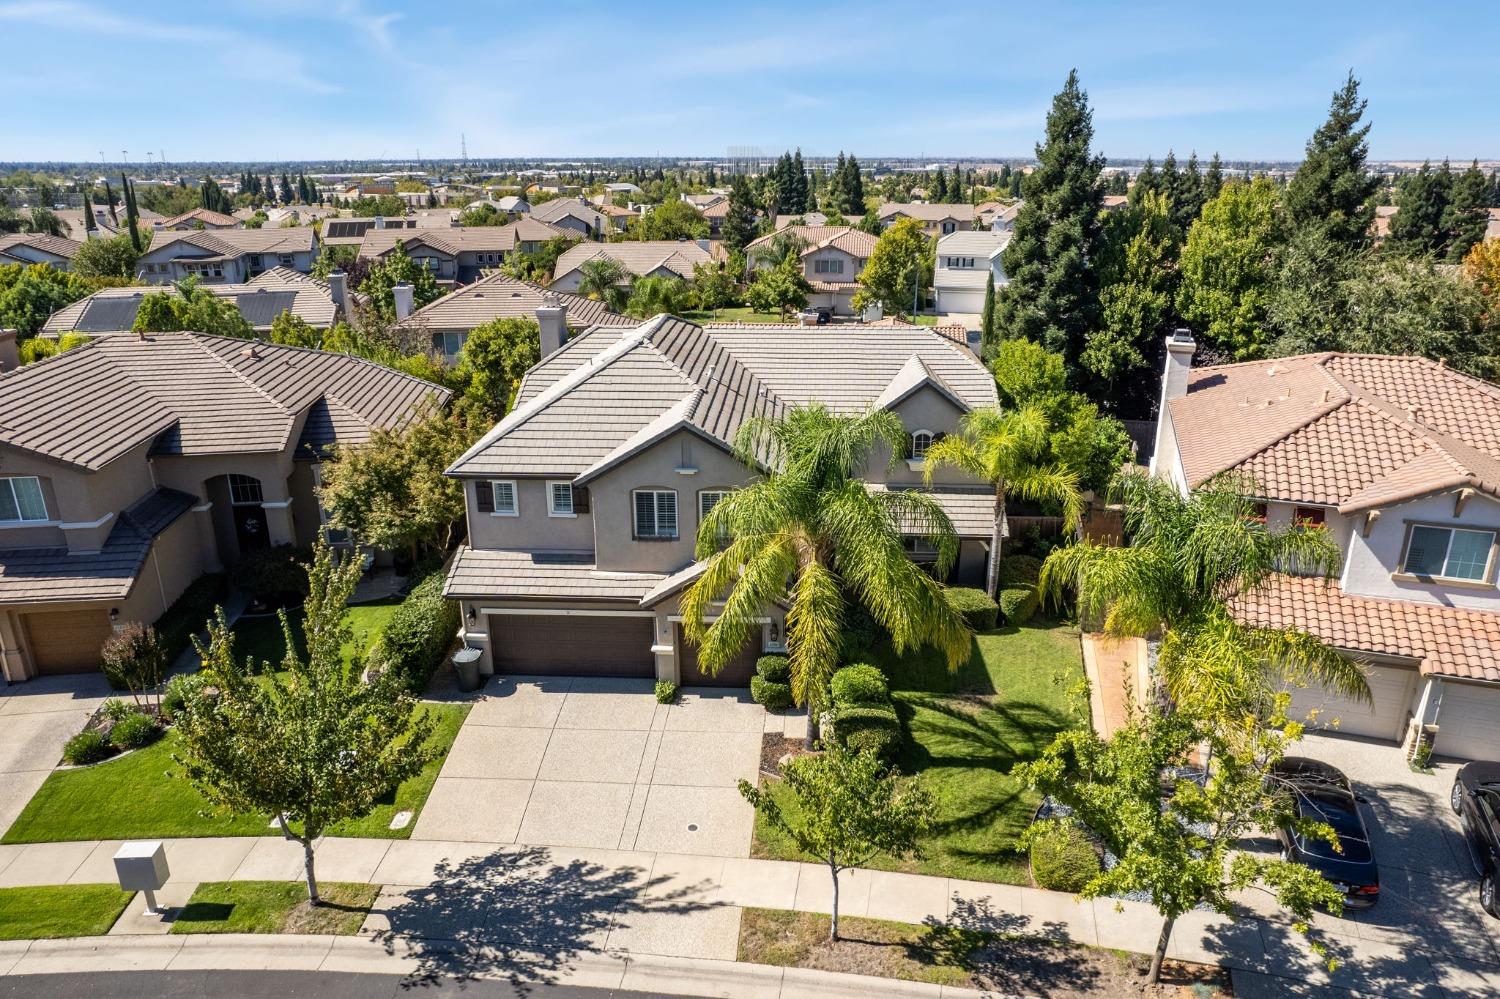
x: 1174, y: 385
x: 10, y: 355
x: 402, y: 293
x: 552, y: 320
x: 380, y: 221
x: 338, y: 290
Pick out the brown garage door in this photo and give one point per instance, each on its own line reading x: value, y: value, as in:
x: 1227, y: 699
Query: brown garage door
x: 736, y: 673
x: 572, y: 645
x: 66, y: 641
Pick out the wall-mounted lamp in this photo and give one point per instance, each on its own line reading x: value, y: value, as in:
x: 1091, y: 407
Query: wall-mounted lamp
x: 775, y: 632
x: 470, y: 616
x: 114, y: 615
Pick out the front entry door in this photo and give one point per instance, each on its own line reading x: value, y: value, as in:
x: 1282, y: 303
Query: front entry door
x: 250, y: 528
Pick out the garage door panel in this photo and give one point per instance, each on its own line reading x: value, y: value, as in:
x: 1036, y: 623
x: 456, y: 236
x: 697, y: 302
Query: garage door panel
x: 66, y: 641
x: 573, y: 644
x: 1391, y: 690
x: 1469, y: 722
x: 736, y: 673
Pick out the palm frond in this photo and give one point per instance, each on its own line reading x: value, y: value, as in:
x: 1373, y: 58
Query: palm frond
x: 813, y: 626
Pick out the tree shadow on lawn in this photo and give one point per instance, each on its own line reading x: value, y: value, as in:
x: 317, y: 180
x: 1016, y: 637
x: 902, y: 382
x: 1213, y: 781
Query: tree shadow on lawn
x: 518, y: 915
x: 1005, y: 952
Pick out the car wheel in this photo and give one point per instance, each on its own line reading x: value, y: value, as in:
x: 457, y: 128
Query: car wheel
x: 1487, y: 895
x: 1456, y: 799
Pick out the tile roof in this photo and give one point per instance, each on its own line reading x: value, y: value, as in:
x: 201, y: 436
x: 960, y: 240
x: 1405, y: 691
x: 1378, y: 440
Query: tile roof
x: 58, y: 246
x: 1345, y: 430
x: 235, y: 242
x: 638, y: 257
x: 191, y: 393
x: 971, y: 510
x: 454, y: 240
x: 1449, y: 641
x: 259, y: 300
x: 49, y: 575
x: 561, y: 208
x: 927, y: 212
x: 853, y: 241
x: 204, y: 215
x: 499, y: 296
x: 609, y: 393
x: 495, y: 573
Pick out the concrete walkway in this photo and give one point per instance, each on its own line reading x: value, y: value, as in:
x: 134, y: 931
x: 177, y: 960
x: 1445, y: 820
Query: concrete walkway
x: 541, y: 913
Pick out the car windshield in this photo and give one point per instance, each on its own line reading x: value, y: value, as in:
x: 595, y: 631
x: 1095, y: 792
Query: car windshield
x: 1340, y: 812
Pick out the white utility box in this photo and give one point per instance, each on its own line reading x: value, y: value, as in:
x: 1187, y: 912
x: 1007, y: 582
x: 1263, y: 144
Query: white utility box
x: 142, y: 866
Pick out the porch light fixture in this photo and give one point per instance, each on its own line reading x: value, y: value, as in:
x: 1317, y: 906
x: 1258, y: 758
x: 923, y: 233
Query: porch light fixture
x: 114, y: 615
x: 470, y: 616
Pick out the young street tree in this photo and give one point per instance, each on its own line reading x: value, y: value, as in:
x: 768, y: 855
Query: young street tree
x: 1182, y: 847
x: 811, y: 520
x: 779, y: 289
x: 1053, y: 294
x: 1333, y: 189
x: 313, y: 743
x: 848, y: 808
x: 898, y: 275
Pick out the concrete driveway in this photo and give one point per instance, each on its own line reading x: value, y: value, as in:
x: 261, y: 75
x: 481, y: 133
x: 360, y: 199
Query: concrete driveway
x: 36, y: 718
x: 1428, y: 935
x: 597, y: 763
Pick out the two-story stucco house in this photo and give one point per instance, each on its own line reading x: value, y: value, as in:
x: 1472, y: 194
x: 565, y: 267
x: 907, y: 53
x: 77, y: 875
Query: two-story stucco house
x: 937, y: 219
x: 460, y: 255
x: 29, y: 248
x: 225, y: 256
x: 1398, y: 458
x: 832, y: 257
x: 965, y: 263
x: 133, y: 464
x: 645, y: 258
x: 584, y: 502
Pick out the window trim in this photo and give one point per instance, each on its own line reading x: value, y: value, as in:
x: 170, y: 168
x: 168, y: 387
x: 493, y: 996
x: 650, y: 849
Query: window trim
x: 635, y: 523
x: 247, y: 480
x: 21, y: 519
x: 552, y: 510
x: 1485, y: 581
x: 515, y: 498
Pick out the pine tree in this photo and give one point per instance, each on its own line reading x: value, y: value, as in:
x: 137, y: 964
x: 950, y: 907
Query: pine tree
x: 1468, y: 214
x: 739, y: 221
x: 1417, y: 227
x: 1171, y: 182
x: 956, y: 188
x: 1148, y: 181
x: 1213, y: 180
x: 939, y: 188
x: 856, y: 185
x: 1053, y: 295
x: 836, y: 198
x: 797, y: 181
x: 286, y: 190
x: 1190, y: 198
x: 1333, y: 189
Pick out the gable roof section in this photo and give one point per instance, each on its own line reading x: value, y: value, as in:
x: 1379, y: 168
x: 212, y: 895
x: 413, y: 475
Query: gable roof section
x: 203, y: 215
x: 852, y: 241
x: 1346, y: 430
x: 927, y: 212
x: 913, y: 376
x: 561, y: 208
x: 454, y: 240
x: 57, y: 246
x: 640, y: 258
x: 502, y: 297
x: 231, y: 242
x: 260, y: 300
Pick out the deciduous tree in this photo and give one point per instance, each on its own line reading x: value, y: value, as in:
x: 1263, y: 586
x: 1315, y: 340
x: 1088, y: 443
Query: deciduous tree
x: 1227, y: 266
x: 898, y: 275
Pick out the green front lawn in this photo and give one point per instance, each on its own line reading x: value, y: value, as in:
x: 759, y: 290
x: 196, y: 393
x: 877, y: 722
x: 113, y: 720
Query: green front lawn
x: 141, y: 796
x: 60, y: 911
x: 276, y: 907
x: 741, y: 314
x: 260, y: 638
x: 964, y: 732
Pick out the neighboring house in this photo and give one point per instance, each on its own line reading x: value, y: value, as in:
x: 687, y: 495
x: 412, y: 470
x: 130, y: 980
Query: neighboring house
x: 715, y: 214
x: 937, y: 220
x: 1492, y: 230
x: 460, y: 255
x: 451, y: 318
x: 177, y: 453
x: 832, y: 257
x: 38, y: 248
x: 996, y: 215
x: 664, y: 257
x: 111, y: 311
x: 1114, y: 202
x: 200, y: 218
x: 1398, y: 459
x: 575, y: 214
x: 703, y: 202
x: 965, y: 262
x: 225, y: 256
x: 584, y: 502
x: 621, y: 188
x: 805, y: 219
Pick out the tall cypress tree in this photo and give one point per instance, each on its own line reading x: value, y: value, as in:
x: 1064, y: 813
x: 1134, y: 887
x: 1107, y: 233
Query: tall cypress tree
x: 130, y: 216
x: 739, y: 220
x: 797, y: 181
x: 1189, y: 200
x: 988, y: 341
x: 109, y: 202
x: 1333, y: 190
x: 88, y: 216
x: 1053, y: 294
x: 940, y: 187
x: 1213, y: 180
x: 856, y: 185
x: 1148, y: 181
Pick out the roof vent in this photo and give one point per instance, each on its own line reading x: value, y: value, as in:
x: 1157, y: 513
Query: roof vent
x: 250, y: 351
x: 1325, y: 395
x: 1412, y: 412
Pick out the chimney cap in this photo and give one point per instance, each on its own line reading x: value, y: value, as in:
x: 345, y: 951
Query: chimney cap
x: 1181, y: 336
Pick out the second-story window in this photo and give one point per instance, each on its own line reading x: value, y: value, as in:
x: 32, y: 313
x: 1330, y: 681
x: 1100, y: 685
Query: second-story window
x: 656, y: 514
x: 1448, y: 553
x: 828, y: 266
x: 21, y: 500
x: 505, y: 502
x: 560, y: 499
x: 707, y: 500
x: 917, y: 446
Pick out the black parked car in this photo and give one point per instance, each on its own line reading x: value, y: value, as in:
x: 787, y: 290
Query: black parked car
x: 1321, y: 793
x: 1476, y: 798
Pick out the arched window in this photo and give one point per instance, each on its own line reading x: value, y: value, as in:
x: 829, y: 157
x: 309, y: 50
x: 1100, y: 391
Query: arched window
x: 921, y: 440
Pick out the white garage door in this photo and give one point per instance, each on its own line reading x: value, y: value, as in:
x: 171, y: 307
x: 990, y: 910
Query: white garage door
x: 1469, y: 721
x: 1391, y: 689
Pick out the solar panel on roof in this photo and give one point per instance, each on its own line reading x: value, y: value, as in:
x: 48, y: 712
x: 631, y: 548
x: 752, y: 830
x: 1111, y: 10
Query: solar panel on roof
x: 108, y: 315
x: 260, y: 307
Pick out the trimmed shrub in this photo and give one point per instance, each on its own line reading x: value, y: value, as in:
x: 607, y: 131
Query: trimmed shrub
x: 1019, y: 570
x: 771, y: 695
x: 859, y: 684
x: 978, y: 610
x: 189, y: 614
x: 418, y: 633
x: 883, y: 742
x: 273, y: 572
x: 666, y: 691
x: 860, y: 636
x: 1063, y: 858
x: 179, y: 691
x: 88, y: 746
x: 774, y: 669
x: 132, y: 732
x: 133, y: 659
x: 1018, y: 604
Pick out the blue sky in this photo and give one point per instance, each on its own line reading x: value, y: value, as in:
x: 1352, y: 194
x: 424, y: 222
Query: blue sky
x: 285, y: 79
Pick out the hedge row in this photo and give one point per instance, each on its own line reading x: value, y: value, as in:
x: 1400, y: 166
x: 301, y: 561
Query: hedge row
x: 978, y: 610
x: 189, y: 614
x: 417, y: 636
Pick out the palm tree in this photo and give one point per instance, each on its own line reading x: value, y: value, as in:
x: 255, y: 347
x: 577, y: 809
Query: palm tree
x: 809, y: 529
x: 1006, y: 449
x: 1190, y: 557
x: 776, y: 249
x: 600, y: 278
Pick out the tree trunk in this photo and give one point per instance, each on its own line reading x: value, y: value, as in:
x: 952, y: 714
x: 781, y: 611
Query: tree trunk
x: 1154, y: 975
x: 307, y: 866
x: 992, y: 575
x: 833, y: 927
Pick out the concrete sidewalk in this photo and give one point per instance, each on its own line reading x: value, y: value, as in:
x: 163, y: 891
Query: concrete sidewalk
x: 455, y: 906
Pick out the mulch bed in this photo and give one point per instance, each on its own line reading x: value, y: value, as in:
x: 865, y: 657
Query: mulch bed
x: 774, y: 747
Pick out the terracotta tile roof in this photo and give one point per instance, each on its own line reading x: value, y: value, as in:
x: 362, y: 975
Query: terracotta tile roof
x: 1449, y: 641
x: 927, y: 212
x: 1344, y: 430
